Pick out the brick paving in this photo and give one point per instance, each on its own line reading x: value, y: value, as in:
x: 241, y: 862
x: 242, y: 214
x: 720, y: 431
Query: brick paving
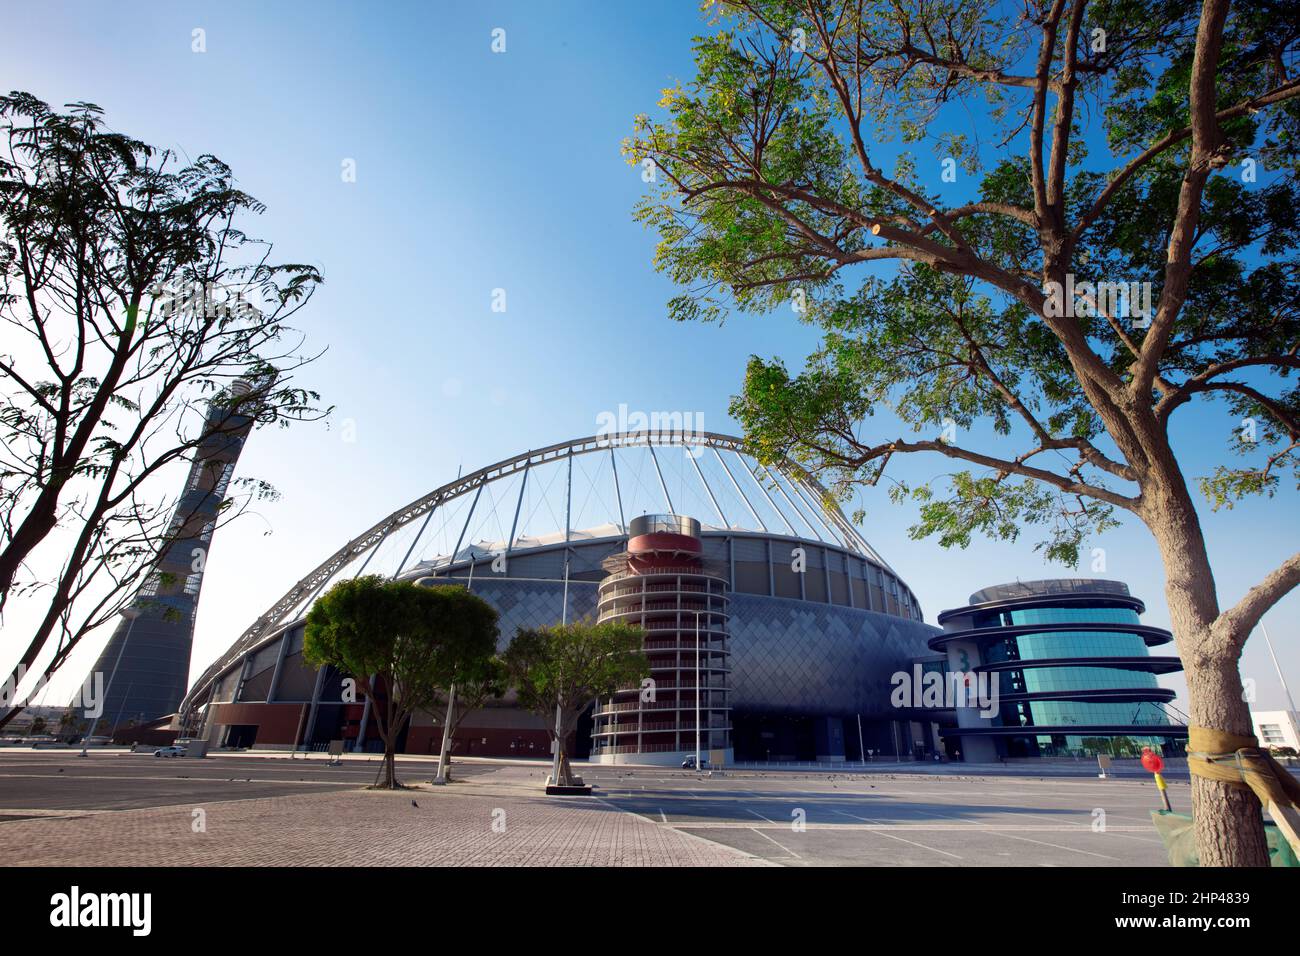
x: 451, y: 826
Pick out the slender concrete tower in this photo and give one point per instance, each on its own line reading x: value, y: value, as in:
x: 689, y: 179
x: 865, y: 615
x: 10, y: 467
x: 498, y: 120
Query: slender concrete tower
x: 146, y: 662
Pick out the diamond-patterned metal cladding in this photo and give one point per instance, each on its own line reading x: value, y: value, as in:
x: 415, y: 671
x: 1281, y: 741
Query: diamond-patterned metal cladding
x: 795, y: 657
x: 787, y: 656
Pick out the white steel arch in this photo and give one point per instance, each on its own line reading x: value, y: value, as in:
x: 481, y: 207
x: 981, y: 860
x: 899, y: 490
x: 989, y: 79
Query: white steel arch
x: 365, y: 545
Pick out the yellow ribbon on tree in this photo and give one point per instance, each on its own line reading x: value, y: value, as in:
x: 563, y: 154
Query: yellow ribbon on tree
x: 1240, y: 763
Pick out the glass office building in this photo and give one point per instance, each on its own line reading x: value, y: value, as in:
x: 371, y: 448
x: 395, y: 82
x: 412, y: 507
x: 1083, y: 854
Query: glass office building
x: 1071, y: 667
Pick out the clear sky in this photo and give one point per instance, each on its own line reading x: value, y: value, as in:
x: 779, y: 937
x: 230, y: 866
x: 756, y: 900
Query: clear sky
x: 477, y: 171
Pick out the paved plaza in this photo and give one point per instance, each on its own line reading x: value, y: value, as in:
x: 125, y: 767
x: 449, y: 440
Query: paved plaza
x: 115, y: 808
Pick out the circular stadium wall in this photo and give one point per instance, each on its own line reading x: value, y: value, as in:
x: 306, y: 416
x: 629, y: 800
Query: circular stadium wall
x: 816, y: 621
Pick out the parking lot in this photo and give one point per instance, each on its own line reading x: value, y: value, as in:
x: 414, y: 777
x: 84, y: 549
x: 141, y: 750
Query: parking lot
x: 905, y: 819
x: 877, y: 818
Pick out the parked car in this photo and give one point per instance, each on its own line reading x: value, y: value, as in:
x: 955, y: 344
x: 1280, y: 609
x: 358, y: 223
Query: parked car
x: 689, y: 763
x: 172, y: 751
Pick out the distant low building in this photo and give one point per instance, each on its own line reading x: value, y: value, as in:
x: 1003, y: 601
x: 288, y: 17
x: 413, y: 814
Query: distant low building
x: 1277, y: 728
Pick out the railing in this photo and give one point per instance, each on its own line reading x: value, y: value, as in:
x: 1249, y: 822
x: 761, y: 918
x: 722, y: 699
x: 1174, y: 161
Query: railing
x: 673, y: 571
x: 663, y: 607
x: 705, y: 647
x: 657, y: 705
x: 706, y: 588
x: 671, y: 683
x: 673, y: 524
x: 624, y: 730
x: 658, y: 726
x: 707, y: 633
x: 634, y: 749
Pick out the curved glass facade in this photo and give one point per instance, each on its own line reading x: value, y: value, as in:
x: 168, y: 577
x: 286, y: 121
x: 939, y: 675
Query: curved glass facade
x: 1087, y: 680
x: 1053, y: 645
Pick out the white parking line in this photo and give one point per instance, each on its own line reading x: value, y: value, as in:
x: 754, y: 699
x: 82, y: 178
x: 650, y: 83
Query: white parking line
x: 1068, y: 827
x: 899, y: 838
x: 1011, y: 836
x: 766, y: 837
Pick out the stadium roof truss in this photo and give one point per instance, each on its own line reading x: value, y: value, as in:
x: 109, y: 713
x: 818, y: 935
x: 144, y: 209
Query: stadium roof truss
x: 799, y: 503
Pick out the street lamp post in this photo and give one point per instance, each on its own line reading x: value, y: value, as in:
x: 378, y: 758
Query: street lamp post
x: 697, y: 690
x: 131, y: 614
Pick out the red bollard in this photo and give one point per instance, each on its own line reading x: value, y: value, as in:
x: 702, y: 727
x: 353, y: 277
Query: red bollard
x: 1155, y: 763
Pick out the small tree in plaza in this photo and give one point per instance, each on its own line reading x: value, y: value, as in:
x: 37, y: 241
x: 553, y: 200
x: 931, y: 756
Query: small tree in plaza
x: 557, y: 671
x: 403, y: 644
x: 479, y: 681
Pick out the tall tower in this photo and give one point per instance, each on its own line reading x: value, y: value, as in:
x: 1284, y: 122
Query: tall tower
x: 146, y: 662
x: 662, y: 584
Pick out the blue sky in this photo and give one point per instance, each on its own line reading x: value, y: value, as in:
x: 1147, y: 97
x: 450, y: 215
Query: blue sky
x: 477, y: 171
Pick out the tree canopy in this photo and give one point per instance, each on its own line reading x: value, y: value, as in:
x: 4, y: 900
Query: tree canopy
x: 567, y: 667
x: 1068, y: 218
x: 402, y: 643
x: 134, y: 308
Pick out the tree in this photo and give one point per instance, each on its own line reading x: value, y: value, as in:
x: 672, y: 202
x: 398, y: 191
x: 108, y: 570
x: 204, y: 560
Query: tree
x: 401, y: 643
x: 143, y: 326
x: 558, y: 671
x: 37, y: 727
x: 472, y: 686
x: 1075, y: 301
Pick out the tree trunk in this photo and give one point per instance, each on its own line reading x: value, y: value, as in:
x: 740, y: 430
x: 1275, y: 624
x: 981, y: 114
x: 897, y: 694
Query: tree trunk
x: 561, y: 771
x: 34, y: 529
x: 565, y: 773
x: 388, y: 771
x: 386, y: 723
x: 448, y: 729
x: 59, y: 602
x: 1229, y: 823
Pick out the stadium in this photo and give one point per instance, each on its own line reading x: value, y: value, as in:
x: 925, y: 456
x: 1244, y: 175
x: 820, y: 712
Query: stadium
x: 766, y: 611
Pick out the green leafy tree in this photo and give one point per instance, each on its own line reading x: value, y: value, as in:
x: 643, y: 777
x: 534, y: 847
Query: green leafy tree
x: 951, y: 290
x: 558, y: 671
x: 67, y: 720
x: 402, y: 643
x: 37, y: 727
x: 131, y: 301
